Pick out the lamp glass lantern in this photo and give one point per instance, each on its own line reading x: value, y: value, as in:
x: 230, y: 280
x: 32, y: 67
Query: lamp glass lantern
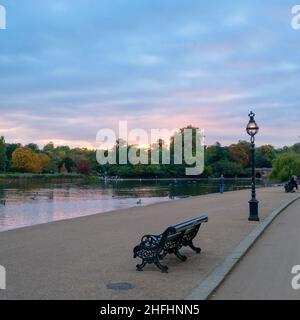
x: 252, y: 127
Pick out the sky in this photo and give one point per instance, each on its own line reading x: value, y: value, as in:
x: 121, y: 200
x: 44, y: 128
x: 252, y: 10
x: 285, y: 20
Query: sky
x: 69, y: 68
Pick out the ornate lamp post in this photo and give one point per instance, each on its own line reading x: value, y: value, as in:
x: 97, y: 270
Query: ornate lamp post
x: 252, y: 129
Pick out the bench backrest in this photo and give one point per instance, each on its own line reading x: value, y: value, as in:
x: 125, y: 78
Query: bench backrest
x: 185, y: 230
x: 183, y: 226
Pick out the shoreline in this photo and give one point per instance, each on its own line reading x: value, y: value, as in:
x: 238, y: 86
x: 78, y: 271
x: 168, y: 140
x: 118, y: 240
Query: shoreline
x: 19, y: 177
x: 6, y: 177
x: 119, y: 210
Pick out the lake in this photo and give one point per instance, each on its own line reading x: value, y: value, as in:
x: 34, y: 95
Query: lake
x: 30, y: 203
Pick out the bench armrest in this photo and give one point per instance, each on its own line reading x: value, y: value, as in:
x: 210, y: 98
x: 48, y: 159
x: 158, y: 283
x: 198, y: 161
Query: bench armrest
x: 150, y: 244
x: 150, y: 240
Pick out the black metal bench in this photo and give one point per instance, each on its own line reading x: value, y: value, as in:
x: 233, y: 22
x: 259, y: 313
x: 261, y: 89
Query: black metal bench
x: 154, y: 248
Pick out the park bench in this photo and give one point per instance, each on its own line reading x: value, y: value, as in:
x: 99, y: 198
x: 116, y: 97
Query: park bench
x: 154, y: 248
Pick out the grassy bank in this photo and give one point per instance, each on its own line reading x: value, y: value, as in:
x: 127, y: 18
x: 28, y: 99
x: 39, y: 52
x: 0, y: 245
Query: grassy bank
x: 7, y: 177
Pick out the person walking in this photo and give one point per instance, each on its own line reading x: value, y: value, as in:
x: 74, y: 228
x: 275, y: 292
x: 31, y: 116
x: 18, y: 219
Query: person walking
x: 222, y: 183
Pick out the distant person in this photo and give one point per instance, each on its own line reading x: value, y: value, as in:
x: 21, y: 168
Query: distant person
x: 292, y: 185
x: 222, y: 183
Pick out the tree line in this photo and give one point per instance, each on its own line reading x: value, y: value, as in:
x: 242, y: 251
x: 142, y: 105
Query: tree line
x: 232, y: 161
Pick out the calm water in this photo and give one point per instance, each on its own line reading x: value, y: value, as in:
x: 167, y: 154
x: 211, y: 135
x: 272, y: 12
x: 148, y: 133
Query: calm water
x: 28, y: 204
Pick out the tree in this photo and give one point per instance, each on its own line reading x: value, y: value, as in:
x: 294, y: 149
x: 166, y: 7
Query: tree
x: 34, y: 147
x: 240, y: 153
x: 285, y: 166
x: 296, y: 147
x: 83, y: 167
x: 25, y: 160
x: 3, y: 157
x: 264, y: 156
x: 10, y: 148
x: 228, y: 168
x: 41, y: 161
x: 215, y: 153
x: 69, y: 164
x: 49, y: 148
x: 52, y: 166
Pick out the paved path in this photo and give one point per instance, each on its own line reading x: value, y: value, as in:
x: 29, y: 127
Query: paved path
x: 265, y: 272
x: 77, y: 258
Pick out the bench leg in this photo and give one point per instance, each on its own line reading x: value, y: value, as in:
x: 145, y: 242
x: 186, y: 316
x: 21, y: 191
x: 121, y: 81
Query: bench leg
x: 197, y: 250
x: 179, y: 255
x: 140, y: 267
x: 161, y: 267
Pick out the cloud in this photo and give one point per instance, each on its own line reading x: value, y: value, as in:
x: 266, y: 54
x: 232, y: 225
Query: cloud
x: 69, y: 68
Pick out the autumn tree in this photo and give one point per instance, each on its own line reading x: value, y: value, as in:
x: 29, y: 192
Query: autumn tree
x: 41, y: 161
x: 25, y: 160
x: 240, y: 153
x: 83, y: 167
x: 22, y: 160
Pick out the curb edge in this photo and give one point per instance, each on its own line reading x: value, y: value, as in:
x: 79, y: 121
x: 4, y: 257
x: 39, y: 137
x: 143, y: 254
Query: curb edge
x: 218, y: 275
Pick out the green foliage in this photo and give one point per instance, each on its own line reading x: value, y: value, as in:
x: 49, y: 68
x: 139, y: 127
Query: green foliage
x: 296, y: 148
x: 3, y: 156
x: 69, y: 164
x: 231, y: 161
x: 286, y: 165
x: 215, y: 153
x: 228, y: 168
x: 264, y: 156
x: 34, y: 147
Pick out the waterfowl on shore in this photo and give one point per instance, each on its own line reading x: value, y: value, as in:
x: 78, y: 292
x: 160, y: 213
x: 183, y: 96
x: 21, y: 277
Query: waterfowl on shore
x: 3, y: 202
x: 139, y: 202
x: 34, y: 196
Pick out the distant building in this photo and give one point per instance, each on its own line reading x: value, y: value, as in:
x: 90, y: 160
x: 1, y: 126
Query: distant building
x: 63, y: 169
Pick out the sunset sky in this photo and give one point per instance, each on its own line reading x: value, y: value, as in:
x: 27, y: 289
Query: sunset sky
x: 71, y: 67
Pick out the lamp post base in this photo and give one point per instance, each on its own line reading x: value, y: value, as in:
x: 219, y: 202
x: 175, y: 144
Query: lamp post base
x: 253, y: 208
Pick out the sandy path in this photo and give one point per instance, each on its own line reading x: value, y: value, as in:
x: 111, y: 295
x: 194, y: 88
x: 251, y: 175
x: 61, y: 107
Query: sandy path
x: 75, y: 259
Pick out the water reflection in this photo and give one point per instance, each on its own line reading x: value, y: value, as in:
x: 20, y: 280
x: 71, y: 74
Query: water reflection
x: 31, y: 203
